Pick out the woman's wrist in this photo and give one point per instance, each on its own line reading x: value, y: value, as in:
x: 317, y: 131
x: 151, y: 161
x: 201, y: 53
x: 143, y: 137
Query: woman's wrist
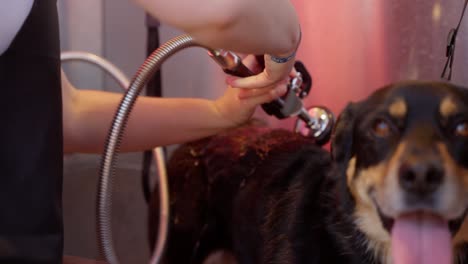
x: 282, y: 58
x: 285, y: 57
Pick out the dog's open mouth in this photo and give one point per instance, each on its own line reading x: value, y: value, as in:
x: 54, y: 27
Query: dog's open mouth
x: 421, y: 237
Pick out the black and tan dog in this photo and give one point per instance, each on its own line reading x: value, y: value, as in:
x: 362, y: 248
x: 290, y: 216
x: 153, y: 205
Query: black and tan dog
x: 393, y: 190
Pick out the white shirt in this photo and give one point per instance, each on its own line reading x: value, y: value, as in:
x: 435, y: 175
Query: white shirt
x: 13, y: 13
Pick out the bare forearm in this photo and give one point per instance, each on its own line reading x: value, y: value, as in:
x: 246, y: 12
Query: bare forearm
x: 248, y: 26
x: 153, y: 122
x: 88, y: 114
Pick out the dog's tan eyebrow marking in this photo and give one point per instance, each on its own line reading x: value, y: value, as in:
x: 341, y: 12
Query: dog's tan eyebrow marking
x: 398, y: 108
x: 447, y: 107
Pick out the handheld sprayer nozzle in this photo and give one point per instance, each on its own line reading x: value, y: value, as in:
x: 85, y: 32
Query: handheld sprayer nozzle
x: 286, y: 106
x: 230, y: 62
x: 289, y: 105
x: 225, y: 59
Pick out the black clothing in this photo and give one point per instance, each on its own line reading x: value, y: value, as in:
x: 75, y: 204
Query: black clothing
x: 31, y: 153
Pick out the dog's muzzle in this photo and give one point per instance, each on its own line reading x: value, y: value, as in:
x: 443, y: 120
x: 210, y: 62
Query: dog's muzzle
x: 423, y: 219
x: 419, y: 179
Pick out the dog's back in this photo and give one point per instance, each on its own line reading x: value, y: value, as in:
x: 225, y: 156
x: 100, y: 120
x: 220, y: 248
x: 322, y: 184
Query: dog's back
x: 242, y: 191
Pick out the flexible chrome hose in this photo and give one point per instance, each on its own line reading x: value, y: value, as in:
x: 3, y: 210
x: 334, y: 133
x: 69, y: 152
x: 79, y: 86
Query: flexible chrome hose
x: 163, y: 227
x: 144, y: 73
x: 124, y: 82
x: 102, y: 63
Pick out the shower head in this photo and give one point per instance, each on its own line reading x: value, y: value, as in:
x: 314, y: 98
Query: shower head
x: 317, y: 123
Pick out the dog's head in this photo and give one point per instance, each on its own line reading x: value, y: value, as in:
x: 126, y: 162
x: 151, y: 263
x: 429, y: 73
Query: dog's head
x: 403, y: 153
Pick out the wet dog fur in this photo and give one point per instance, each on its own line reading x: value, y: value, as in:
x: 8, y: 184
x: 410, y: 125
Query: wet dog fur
x: 273, y: 196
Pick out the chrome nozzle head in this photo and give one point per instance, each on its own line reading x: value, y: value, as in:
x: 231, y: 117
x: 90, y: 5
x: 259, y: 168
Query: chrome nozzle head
x: 226, y: 59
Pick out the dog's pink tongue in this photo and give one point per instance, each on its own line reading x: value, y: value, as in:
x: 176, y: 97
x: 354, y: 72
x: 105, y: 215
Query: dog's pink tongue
x: 421, y: 239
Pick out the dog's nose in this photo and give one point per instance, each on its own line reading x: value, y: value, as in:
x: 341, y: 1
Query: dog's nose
x: 420, y: 178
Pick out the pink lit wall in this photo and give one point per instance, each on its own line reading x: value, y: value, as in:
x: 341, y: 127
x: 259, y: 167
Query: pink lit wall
x: 352, y: 48
x: 343, y: 47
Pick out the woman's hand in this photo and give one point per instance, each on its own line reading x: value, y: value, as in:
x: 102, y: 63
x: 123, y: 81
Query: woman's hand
x: 237, y: 105
x: 273, y: 74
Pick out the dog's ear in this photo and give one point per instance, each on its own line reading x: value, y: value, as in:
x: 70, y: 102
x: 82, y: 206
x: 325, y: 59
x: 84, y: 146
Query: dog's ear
x: 342, y: 138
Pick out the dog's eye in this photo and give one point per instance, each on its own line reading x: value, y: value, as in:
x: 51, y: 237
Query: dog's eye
x: 461, y: 129
x: 381, y: 128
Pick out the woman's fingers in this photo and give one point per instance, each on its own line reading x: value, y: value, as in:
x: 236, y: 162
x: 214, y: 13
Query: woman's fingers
x: 260, y: 96
x: 273, y: 74
x: 253, y: 82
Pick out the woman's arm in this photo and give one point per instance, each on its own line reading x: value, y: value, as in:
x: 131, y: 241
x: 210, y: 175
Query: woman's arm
x: 247, y: 26
x: 87, y: 116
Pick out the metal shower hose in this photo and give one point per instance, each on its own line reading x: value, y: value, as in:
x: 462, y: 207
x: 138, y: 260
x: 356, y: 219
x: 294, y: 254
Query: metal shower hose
x: 144, y: 73
x: 124, y: 83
